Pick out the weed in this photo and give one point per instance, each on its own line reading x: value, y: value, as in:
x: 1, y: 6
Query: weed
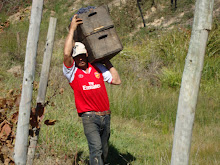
x: 170, y: 78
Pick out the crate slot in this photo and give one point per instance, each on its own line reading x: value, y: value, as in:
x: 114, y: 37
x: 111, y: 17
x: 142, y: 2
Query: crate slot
x: 91, y: 14
x: 103, y: 36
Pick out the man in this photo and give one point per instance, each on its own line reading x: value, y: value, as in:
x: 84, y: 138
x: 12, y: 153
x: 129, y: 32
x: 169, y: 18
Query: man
x: 91, y: 99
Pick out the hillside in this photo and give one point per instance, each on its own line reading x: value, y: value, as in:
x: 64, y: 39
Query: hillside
x: 143, y: 107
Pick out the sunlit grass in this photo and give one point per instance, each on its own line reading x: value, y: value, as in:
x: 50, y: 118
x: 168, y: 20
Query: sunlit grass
x: 143, y: 107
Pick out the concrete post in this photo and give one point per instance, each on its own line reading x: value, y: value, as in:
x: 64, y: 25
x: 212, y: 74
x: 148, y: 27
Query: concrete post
x: 190, y: 82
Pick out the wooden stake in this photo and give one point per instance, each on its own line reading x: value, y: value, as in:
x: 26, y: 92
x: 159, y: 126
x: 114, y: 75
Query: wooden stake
x: 190, y: 82
x: 139, y: 6
x: 21, y: 143
x: 43, y: 86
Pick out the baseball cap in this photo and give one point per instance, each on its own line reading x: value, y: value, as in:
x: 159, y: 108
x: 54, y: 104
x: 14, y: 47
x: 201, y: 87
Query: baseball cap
x: 79, y: 48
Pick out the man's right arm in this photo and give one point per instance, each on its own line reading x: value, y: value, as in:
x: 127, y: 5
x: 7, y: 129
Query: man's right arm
x: 115, y: 76
x: 69, y: 43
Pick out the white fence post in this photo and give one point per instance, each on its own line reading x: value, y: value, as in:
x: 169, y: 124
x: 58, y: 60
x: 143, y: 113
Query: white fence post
x: 43, y: 85
x: 21, y: 143
x: 190, y: 82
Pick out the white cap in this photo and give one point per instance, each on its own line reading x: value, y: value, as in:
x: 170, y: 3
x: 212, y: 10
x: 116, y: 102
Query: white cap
x: 79, y: 48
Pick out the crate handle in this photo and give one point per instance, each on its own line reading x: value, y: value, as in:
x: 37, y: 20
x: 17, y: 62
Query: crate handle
x: 103, y: 36
x: 99, y: 29
x: 91, y: 14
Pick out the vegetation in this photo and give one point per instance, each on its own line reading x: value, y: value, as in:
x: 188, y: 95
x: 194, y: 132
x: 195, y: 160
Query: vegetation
x: 144, y: 106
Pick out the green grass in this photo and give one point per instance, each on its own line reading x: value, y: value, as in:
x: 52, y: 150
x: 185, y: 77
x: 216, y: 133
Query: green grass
x: 143, y: 107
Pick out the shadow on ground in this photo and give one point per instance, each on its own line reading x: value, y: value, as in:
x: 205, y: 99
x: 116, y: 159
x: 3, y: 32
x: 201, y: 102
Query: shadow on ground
x: 117, y: 158
x: 114, y: 158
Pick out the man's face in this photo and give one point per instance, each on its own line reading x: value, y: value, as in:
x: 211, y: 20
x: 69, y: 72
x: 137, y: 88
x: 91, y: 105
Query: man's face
x: 81, y: 61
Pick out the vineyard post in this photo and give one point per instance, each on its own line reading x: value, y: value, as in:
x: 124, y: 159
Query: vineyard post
x: 42, y: 86
x: 139, y: 6
x: 190, y: 82
x: 21, y: 143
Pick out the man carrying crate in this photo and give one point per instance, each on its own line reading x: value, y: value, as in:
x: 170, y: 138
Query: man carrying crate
x: 91, y: 99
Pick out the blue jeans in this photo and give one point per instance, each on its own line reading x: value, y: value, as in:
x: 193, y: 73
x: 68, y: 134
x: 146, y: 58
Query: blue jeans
x: 97, y: 131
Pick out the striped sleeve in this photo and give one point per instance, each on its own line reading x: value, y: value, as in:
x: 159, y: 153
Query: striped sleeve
x: 69, y: 72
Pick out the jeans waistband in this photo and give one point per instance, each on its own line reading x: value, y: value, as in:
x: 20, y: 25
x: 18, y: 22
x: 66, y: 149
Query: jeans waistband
x: 103, y: 113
